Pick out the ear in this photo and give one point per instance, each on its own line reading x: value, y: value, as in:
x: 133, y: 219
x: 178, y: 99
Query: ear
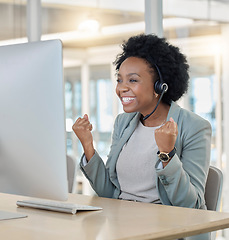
x: 155, y: 94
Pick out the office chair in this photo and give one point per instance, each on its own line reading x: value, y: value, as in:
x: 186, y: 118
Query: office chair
x: 213, y: 191
x: 213, y: 188
x: 71, y: 173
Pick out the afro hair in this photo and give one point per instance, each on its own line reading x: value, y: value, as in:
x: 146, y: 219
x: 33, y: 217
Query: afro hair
x: 171, y: 63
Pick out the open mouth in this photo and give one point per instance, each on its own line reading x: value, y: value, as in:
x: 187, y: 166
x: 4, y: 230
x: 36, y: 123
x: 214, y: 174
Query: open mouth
x: 127, y: 100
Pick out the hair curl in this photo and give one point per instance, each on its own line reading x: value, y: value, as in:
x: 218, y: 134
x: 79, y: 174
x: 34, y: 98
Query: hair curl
x: 171, y: 62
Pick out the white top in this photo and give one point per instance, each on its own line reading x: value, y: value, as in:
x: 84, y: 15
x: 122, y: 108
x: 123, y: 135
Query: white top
x: 136, y: 166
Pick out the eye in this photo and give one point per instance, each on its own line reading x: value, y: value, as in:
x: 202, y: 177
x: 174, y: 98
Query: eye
x: 119, y: 80
x: 133, y: 80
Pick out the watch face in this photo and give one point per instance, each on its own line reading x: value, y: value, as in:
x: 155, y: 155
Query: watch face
x: 163, y: 157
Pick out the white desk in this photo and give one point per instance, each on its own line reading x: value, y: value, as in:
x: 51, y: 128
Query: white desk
x: 119, y: 219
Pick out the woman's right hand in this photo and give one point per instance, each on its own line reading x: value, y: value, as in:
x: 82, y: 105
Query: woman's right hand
x: 82, y: 128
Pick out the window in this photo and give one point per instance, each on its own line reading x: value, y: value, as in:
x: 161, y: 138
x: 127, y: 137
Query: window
x: 73, y: 110
x: 203, y: 95
x: 101, y: 114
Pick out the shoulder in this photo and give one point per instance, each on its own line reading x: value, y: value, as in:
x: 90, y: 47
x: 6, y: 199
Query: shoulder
x: 189, y: 123
x: 194, y: 121
x: 186, y: 117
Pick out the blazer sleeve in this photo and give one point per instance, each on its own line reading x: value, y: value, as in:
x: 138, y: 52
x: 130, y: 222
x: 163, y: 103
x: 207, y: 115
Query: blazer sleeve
x: 98, y: 173
x: 182, y: 181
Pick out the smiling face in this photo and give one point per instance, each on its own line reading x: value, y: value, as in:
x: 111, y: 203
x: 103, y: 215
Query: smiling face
x: 135, y: 86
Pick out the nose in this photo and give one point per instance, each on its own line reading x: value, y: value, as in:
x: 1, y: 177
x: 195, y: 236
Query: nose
x: 122, y: 87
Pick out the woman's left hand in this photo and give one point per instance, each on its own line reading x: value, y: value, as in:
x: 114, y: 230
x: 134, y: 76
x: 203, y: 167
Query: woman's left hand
x: 166, y: 136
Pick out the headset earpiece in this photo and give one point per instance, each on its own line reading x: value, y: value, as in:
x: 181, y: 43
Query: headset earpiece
x: 157, y: 87
x: 160, y: 87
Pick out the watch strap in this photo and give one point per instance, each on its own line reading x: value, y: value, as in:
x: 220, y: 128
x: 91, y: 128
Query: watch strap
x: 172, y: 153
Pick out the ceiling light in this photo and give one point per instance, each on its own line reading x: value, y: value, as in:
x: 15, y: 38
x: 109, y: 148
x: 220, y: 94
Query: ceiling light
x: 89, y: 26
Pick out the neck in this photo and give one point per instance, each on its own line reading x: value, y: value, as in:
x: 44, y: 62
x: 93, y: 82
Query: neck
x: 158, y: 117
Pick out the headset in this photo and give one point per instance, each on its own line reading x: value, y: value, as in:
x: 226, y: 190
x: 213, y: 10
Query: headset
x: 160, y: 88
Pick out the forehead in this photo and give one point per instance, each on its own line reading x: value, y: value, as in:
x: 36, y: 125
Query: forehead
x: 135, y: 65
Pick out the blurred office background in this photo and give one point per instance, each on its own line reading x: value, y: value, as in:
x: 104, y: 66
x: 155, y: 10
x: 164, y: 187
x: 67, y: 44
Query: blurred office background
x: 92, y: 31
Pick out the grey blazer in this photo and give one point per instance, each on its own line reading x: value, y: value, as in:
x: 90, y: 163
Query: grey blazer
x: 182, y: 181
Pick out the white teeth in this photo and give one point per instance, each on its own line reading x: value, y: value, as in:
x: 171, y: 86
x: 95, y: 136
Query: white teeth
x: 127, y: 99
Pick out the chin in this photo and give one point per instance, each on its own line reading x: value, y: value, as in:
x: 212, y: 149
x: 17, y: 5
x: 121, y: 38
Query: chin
x: 128, y: 110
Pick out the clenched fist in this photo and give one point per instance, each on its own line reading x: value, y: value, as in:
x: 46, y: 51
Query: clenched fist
x: 82, y: 128
x: 166, y: 136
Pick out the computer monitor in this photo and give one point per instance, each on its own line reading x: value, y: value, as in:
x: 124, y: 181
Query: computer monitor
x: 32, y: 120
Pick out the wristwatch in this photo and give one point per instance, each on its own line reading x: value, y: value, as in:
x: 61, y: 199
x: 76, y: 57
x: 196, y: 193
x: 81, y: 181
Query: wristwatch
x: 165, y: 157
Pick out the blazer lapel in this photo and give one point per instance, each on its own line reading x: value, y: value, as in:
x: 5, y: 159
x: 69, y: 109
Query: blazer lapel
x: 128, y: 132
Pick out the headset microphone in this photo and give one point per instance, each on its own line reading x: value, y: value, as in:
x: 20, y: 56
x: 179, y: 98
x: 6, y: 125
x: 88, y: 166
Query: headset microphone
x: 163, y: 89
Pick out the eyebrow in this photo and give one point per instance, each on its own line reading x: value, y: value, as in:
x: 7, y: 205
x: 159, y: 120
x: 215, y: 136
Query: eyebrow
x: 129, y: 74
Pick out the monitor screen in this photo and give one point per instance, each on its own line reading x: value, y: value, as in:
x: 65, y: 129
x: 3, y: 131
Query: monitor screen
x: 32, y: 120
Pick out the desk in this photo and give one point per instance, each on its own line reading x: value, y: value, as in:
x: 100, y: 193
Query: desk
x: 119, y: 219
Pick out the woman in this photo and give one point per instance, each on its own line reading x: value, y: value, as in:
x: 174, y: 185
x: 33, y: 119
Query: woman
x: 161, y: 157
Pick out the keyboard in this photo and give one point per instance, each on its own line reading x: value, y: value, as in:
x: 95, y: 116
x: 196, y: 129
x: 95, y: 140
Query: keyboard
x: 57, y: 206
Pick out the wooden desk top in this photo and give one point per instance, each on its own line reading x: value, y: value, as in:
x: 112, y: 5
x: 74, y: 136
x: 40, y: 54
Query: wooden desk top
x: 119, y: 219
